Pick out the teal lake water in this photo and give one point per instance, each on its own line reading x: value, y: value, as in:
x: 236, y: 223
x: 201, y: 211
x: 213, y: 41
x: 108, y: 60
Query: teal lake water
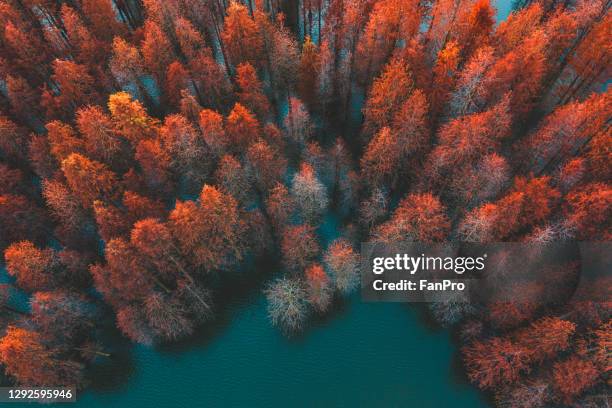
x: 361, y: 355
x: 364, y: 355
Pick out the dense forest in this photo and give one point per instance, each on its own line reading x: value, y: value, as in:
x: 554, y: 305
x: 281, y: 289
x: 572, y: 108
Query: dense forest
x: 150, y: 150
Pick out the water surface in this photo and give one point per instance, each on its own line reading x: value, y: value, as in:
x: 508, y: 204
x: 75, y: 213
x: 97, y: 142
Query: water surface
x: 364, y: 355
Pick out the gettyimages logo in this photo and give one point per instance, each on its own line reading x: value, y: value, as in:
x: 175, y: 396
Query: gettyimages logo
x: 480, y: 273
x: 412, y: 264
x: 430, y: 271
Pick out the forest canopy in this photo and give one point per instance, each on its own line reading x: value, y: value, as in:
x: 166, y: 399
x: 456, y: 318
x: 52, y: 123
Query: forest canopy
x: 152, y: 151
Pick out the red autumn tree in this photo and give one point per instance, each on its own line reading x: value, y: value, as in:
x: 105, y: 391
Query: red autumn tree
x: 156, y: 165
x: 24, y: 100
x: 590, y: 60
x: 157, y: 51
x: 495, y: 361
x: 386, y: 95
x: 546, y: 337
x: 140, y: 207
x: 537, y: 199
x: 480, y: 181
x: 233, y: 179
x: 529, y: 202
x: 242, y: 127
x: 283, y: 57
x: 63, y: 315
x: 520, y: 71
x: 343, y: 264
x: 213, y: 131
x: 167, y: 317
x: 588, y: 211
x: 414, y: 54
x: 189, y: 39
x: 132, y: 322
x: 65, y: 206
x: 562, y: 28
x: 574, y: 376
x: 13, y: 140
x: 410, y: 124
x: 21, y: 219
x: 308, y: 72
x: 474, y: 27
x: 465, y: 140
x: 103, y: 19
x: 127, y: 66
x: 279, y: 206
x: 571, y: 174
x: 469, y: 93
x: 389, y: 22
x: 29, y: 50
x: 34, y: 268
x: 89, y: 180
x: 111, y: 221
x: 309, y: 194
x: 418, y: 217
x: 251, y: 93
x: 76, y: 88
x: 208, y: 232
x: 130, y: 118
x: 31, y: 363
x: 298, y: 125
x: 153, y: 240
x: 177, y: 80
x: 444, y: 76
x: 442, y: 23
x: 266, y: 164
x: 185, y: 147
x: 518, y: 26
x: 63, y: 140
x: 124, y: 279
x: 380, y: 162
x: 299, y: 247
x: 163, y: 13
x: 86, y: 48
x: 42, y: 161
x: 567, y: 131
x: 318, y: 287
x: 212, y: 85
x: 101, y: 142
x: 241, y: 36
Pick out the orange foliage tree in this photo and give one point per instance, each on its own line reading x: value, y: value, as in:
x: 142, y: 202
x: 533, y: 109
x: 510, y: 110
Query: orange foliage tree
x: 386, y: 95
x: 418, y: 217
x: 208, y: 232
x: 241, y: 36
x: 34, y: 268
x: 32, y: 363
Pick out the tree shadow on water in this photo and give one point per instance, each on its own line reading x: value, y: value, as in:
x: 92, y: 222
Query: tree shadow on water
x: 113, y: 372
x: 339, y: 306
x: 233, y: 292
